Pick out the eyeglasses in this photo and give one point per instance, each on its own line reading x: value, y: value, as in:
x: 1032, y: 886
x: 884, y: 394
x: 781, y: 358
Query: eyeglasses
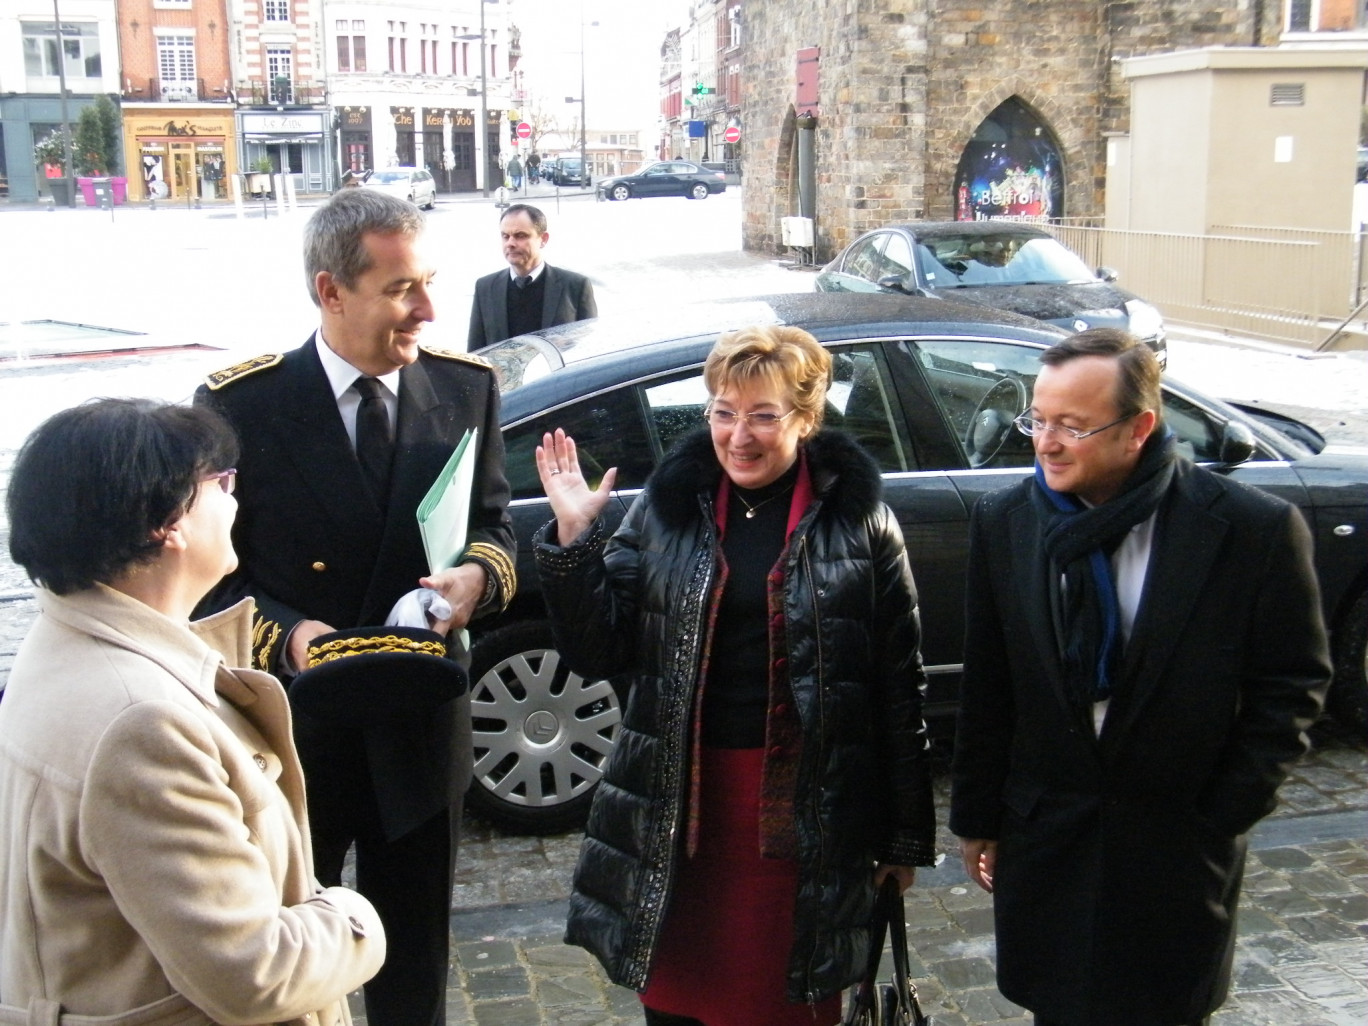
x: 1032, y: 426
x: 227, y: 479
x: 761, y: 423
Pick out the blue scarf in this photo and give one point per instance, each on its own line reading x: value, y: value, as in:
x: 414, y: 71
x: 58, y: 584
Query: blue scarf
x: 1079, y: 543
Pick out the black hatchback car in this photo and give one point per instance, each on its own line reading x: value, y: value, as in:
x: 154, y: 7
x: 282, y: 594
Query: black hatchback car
x: 665, y: 178
x: 930, y: 388
x: 1003, y: 264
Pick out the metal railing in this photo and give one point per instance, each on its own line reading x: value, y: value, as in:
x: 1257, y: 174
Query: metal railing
x: 1280, y: 283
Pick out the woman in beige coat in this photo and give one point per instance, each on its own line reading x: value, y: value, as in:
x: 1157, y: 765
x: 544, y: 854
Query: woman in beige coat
x: 154, y: 851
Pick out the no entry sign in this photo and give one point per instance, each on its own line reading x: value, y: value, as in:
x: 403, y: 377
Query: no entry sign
x: 732, y: 134
x: 524, y: 130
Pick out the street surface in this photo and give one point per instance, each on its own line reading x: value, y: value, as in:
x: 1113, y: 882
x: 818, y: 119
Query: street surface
x: 208, y: 289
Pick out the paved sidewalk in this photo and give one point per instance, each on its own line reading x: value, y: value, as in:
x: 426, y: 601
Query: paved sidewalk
x: 1302, y: 958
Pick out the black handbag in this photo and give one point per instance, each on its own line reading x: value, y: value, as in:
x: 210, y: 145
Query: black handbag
x: 886, y: 1004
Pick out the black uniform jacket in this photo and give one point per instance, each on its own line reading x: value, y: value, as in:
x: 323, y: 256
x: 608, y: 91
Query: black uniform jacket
x: 569, y: 297
x: 313, y: 544
x: 1120, y: 855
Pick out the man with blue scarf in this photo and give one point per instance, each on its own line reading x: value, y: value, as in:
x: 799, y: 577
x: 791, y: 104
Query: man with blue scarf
x: 1144, y: 652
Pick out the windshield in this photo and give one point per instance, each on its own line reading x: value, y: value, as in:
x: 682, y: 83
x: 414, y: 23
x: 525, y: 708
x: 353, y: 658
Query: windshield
x: 964, y: 261
x: 388, y: 177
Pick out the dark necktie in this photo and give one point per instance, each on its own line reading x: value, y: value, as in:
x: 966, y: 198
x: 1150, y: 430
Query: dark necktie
x: 523, y: 281
x: 374, y: 439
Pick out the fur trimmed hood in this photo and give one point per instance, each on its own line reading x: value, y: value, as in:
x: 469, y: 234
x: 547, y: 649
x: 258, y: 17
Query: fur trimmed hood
x: 843, y: 475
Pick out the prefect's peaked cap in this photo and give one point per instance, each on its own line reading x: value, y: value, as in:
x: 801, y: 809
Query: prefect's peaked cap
x: 367, y: 673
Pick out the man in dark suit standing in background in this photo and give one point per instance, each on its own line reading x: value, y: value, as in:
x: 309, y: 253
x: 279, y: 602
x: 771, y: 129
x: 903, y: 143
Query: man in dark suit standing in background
x: 531, y: 294
x: 341, y: 438
x: 1144, y: 651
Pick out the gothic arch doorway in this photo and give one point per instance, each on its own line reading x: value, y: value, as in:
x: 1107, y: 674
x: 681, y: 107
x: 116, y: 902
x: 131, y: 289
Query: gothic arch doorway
x: 1011, y: 168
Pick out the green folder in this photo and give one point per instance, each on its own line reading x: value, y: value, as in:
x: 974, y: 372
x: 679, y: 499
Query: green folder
x: 444, y: 513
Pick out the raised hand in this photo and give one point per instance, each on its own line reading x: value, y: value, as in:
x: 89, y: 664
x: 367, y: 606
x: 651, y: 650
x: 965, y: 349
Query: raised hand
x: 572, y: 500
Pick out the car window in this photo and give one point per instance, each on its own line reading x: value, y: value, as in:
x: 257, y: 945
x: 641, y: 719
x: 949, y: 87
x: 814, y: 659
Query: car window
x: 607, y: 430
x: 863, y: 259
x: 658, y: 169
x: 859, y: 402
x: 897, y: 256
x: 980, y: 387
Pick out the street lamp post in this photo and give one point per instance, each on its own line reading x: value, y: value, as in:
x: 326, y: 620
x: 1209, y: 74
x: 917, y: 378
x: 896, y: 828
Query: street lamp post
x: 482, y: 129
x: 66, y: 118
x: 584, y: 108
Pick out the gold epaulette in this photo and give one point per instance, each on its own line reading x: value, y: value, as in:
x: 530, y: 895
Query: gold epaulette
x: 451, y: 354
x: 265, y: 635
x: 220, y: 378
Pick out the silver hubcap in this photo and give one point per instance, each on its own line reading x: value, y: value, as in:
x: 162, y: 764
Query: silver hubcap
x: 542, y: 734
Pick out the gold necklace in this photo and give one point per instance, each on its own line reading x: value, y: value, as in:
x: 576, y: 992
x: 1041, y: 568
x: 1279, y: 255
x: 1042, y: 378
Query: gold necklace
x: 750, y: 510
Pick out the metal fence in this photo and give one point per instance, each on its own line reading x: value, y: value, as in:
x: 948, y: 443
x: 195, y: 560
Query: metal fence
x: 1287, y: 284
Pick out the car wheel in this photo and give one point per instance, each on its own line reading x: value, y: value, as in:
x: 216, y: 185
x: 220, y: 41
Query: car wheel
x: 1347, y: 701
x: 621, y: 192
x: 542, y: 733
x: 698, y: 191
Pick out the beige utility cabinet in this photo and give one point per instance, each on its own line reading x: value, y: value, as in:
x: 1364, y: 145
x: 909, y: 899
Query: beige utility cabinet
x: 1238, y: 136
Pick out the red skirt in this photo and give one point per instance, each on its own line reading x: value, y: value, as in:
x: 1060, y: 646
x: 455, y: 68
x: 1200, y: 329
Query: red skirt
x: 724, y: 949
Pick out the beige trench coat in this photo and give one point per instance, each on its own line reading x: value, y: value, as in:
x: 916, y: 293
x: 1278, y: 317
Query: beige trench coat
x: 155, y: 865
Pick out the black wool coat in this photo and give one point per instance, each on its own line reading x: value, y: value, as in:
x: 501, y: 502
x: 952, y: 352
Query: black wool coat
x: 639, y: 606
x: 1120, y: 856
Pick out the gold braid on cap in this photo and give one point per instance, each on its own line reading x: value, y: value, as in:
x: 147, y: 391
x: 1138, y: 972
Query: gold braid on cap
x: 341, y: 648
x: 499, y: 565
x: 265, y: 636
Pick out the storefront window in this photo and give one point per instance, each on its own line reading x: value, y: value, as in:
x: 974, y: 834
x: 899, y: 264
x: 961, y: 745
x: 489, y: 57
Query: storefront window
x: 1010, y: 169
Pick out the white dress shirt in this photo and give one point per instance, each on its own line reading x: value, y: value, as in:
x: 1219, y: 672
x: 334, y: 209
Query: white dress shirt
x: 342, y: 375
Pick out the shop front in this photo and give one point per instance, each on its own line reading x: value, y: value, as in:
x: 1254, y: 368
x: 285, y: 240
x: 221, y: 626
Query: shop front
x: 295, y: 143
x: 358, y: 146
x: 187, y: 156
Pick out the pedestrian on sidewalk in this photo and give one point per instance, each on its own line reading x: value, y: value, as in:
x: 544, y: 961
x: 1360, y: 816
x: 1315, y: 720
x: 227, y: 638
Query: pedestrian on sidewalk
x: 1144, y: 652
x: 771, y: 768
x: 341, y: 439
x: 530, y: 294
x: 515, y: 171
x: 152, y: 811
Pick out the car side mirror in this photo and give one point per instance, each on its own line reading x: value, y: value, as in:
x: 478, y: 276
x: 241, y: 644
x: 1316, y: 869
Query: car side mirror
x: 1108, y: 273
x: 1237, y: 443
x: 899, y: 283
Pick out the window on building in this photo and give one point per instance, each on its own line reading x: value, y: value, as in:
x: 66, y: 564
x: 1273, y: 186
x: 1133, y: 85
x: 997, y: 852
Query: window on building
x: 80, y: 46
x: 176, y: 65
x: 398, y: 46
x: 280, y: 73
x: 1326, y: 15
x: 734, y: 25
x: 351, y: 51
x: 277, y: 10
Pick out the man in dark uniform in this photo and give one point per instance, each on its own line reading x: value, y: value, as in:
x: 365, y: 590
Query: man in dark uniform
x: 328, y: 539
x: 530, y: 294
x: 1144, y: 651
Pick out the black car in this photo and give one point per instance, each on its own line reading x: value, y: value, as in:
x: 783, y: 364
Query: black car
x: 565, y: 171
x: 929, y: 387
x: 665, y: 178
x: 1003, y: 264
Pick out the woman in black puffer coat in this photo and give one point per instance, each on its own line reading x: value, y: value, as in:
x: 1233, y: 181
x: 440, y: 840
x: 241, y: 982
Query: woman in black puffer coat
x: 771, y: 764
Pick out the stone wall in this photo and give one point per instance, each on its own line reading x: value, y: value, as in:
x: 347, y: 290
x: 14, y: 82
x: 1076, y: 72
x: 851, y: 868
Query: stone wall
x: 904, y: 85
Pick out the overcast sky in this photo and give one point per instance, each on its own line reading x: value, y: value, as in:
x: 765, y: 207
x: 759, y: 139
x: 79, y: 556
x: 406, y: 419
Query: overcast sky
x: 622, y: 56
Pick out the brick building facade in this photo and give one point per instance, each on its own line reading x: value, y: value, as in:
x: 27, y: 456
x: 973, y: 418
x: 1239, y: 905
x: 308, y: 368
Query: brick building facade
x: 905, y: 89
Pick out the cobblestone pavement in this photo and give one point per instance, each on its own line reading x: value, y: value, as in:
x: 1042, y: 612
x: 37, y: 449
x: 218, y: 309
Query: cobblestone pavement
x: 1302, y: 958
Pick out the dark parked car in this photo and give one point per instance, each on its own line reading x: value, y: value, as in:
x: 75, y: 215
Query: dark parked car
x: 1002, y: 264
x: 565, y: 171
x: 930, y: 388
x: 665, y: 178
